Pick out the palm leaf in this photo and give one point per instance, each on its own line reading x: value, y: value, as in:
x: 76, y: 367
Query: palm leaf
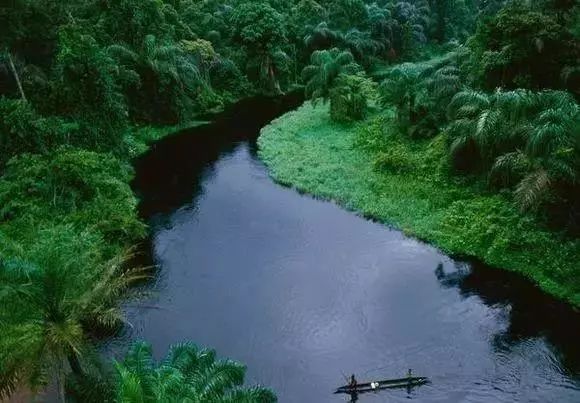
x: 533, y: 189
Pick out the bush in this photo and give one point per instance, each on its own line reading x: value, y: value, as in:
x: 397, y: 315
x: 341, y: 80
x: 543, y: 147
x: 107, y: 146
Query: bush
x: 91, y: 188
x: 350, y: 97
x: 22, y: 130
x: 85, y: 87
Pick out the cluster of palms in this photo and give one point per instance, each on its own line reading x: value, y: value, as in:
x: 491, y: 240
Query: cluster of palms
x: 334, y: 76
x: 385, y: 31
x: 420, y: 92
x: 522, y: 140
x: 528, y: 140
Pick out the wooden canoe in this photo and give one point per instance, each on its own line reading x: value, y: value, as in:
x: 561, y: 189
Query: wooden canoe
x: 385, y: 384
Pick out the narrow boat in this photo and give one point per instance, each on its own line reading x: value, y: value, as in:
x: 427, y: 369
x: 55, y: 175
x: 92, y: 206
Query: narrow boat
x: 385, y: 384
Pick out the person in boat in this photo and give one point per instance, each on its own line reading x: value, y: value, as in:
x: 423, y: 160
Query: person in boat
x: 352, y: 382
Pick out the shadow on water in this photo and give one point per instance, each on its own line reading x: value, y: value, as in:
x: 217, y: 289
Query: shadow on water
x: 170, y: 174
x: 531, y: 312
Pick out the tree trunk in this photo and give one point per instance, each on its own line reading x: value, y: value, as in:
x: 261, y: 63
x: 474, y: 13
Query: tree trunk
x: 274, y: 81
x: 412, y: 116
x: 75, y: 364
x: 16, y: 77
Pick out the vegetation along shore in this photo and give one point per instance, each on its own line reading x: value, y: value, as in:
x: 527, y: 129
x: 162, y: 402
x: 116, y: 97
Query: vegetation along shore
x: 457, y: 121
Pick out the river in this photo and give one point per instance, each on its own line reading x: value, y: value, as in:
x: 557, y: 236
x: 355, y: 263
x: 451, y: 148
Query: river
x: 304, y: 292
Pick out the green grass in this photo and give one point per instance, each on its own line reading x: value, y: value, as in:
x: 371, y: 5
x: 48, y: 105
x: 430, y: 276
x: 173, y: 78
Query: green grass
x: 140, y: 138
x: 371, y: 169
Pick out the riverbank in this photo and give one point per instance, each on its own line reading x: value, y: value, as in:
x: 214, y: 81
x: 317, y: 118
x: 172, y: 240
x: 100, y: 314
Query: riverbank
x: 408, y: 188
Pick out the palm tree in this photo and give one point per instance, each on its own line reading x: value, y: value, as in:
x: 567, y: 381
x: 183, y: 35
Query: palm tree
x: 473, y: 120
x: 321, y: 36
x: 549, y: 157
x: 51, y: 296
x: 381, y: 25
x: 409, y: 22
x: 186, y: 374
x: 444, y: 83
x: 362, y: 45
x: 400, y: 88
x: 324, y: 68
x: 164, y: 70
x: 527, y: 140
x: 350, y: 97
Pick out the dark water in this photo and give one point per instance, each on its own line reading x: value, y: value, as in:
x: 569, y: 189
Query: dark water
x: 304, y: 292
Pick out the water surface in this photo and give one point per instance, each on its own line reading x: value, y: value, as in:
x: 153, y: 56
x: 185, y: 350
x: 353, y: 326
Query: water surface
x: 304, y: 292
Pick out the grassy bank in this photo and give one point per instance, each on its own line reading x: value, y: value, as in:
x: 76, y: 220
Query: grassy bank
x: 409, y: 188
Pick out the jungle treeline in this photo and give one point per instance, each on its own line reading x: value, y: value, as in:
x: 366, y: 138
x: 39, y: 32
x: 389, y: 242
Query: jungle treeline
x: 85, y: 84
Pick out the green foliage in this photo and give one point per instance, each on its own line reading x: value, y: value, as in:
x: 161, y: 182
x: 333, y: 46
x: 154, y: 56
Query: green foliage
x: 348, y: 13
x: 130, y: 21
x: 529, y: 140
x: 400, y: 88
x: 85, y: 88
x: 258, y: 26
x: 168, y: 79
x: 202, y: 50
x: 325, y: 66
x: 23, y: 130
x: 186, y: 374
x: 321, y: 36
x: 363, y: 46
x: 523, y: 48
x: 350, y: 97
x: 262, y: 31
x: 51, y: 294
x: 88, y: 188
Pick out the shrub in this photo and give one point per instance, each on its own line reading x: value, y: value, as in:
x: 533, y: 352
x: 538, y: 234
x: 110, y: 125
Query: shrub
x: 90, y: 187
x: 350, y: 97
x: 23, y: 130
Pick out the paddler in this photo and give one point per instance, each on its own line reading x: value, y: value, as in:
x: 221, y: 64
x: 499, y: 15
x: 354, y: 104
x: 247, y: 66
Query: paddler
x: 352, y: 383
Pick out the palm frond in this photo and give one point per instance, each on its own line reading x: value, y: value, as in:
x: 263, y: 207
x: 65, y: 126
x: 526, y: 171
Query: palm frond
x: 467, y: 103
x: 509, y: 168
x: 533, y: 189
x: 219, y: 377
x: 250, y: 395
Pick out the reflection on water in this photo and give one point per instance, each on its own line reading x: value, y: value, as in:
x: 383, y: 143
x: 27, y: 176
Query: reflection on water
x: 304, y: 292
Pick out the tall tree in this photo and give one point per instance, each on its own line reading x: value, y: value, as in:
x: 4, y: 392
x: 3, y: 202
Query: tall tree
x: 400, y: 88
x: 523, y: 48
x: 262, y: 31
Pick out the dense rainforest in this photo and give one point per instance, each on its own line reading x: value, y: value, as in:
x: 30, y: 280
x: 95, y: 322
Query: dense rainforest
x: 86, y: 85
